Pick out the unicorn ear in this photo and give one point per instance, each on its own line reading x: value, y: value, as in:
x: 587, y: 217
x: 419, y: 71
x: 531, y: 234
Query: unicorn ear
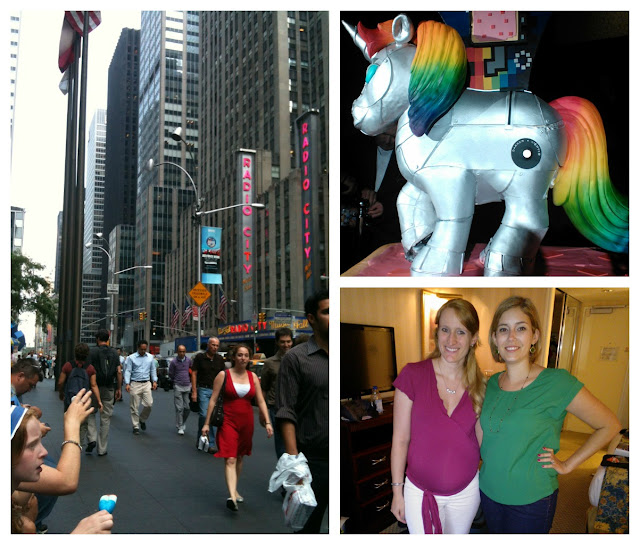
x: 402, y: 29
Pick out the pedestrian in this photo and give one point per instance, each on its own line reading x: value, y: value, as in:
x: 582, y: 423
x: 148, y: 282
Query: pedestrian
x: 28, y: 472
x: 73, y: 378
x: 235, y: 436
x: 25, y: 374
x: 140, y: 379
x: 179, y: 374
x: 121, y: 356
x: 269, y: 380
x: 105, y: 361
x: 524, y: 409
x: 302, y: 399
x: 206, y: 366
x: 438, y: 401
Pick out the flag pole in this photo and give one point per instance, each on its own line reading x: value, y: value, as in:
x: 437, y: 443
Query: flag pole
x: 79, y: 216
x: 65, y: 312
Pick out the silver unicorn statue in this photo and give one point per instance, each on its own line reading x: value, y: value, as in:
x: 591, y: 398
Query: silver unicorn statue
x: 458, y: 147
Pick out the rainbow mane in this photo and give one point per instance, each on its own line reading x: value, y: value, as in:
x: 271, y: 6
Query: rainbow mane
x: 438, y: 74
x: 583, y: 186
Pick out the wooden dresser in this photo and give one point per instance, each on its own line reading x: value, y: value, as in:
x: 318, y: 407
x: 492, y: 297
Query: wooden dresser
x: 365, y: 473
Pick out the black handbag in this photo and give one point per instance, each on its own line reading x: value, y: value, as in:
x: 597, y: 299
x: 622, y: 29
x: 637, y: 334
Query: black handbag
x: 217, y: 417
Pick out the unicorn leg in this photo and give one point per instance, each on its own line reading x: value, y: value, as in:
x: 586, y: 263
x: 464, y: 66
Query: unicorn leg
x: 512, y: 250
x: 417, y: 217
x: 452, y: 191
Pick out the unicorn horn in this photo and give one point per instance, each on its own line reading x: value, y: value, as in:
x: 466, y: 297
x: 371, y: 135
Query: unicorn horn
x: 357, y: 39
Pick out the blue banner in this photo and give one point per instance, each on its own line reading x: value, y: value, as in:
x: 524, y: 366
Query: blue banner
x: 210, y: 254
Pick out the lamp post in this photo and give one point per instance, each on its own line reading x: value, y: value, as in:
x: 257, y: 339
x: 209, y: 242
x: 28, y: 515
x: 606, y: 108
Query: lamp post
x: 116, y: 314
x: 108, y: 254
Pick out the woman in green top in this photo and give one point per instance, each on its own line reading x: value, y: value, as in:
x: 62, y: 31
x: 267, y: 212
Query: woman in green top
x: 521, y: 419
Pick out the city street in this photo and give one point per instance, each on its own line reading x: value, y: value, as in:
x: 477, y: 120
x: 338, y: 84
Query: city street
x: 164, y: 485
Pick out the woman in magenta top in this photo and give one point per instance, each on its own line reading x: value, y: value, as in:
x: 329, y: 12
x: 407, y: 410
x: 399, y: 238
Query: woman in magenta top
x: 436, y: 408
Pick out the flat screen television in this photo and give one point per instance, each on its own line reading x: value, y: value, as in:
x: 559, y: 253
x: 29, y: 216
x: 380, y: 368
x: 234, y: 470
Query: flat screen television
x: 367, y: 359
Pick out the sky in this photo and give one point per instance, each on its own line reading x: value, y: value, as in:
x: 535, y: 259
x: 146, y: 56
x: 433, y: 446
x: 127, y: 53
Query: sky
x: 37, y: 167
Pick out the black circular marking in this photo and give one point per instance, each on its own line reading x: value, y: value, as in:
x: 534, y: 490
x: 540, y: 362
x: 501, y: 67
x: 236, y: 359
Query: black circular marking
x: 526, y: 153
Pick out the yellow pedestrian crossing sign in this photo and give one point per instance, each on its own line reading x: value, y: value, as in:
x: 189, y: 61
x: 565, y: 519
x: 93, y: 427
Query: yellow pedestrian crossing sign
x: 199, y: 293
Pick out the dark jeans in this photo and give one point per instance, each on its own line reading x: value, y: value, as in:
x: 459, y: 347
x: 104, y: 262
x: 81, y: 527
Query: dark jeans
x: 319, y: 467
x: 278, y: 441
x: 532, y: 518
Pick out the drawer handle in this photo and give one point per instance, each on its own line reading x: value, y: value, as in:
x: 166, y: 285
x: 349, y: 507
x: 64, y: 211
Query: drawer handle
x: 380, y: 460
x: 381, y: 507
x: 379, y: 485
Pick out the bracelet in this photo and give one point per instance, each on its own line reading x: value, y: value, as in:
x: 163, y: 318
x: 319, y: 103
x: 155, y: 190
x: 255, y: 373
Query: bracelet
x: 268, y: 424
x: 397, y: 484
x: 72, y: 442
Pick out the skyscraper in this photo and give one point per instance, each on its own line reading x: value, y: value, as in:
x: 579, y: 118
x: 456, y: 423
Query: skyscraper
x: 259, y: 72
x: 98, y: 251
x: 168, y: 99
x: 14, y: 45
x: 121, y: 176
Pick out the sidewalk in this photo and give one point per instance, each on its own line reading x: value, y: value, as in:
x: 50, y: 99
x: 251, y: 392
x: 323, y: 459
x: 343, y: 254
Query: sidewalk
x: 164, y: 485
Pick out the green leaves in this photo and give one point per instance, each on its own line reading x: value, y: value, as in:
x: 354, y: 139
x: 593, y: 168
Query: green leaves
x: 31, y: 292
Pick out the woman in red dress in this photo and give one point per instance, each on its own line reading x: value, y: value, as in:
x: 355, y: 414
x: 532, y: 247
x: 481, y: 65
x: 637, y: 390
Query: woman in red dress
x: 234, y: 437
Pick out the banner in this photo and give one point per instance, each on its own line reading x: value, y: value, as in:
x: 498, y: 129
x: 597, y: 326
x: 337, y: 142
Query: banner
x: 210, y: 255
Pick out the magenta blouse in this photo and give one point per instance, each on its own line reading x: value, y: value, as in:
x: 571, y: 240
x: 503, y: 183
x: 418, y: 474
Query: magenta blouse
x: 443, y: 452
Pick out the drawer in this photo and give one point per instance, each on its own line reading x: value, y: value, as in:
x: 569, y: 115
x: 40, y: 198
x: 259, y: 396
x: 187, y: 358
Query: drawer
x: 375, y: 486
x: 377, y: 515
x: 372, y: 461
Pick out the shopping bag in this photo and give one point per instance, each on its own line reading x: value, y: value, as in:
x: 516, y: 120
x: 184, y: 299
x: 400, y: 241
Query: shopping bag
x: 292, y: 473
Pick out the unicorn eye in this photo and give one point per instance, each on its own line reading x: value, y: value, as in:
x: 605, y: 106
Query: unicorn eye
x: 370, y: 72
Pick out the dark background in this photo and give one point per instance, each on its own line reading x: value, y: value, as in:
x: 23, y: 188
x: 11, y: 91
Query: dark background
x: 584, y: 54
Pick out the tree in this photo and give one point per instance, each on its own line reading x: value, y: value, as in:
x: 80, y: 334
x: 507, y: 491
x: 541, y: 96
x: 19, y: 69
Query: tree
x: 30, y: 292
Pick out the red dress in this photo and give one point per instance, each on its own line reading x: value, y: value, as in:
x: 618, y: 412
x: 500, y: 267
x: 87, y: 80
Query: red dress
x: 234, y: 437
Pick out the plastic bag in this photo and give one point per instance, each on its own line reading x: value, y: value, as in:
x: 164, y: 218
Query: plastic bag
x: 292, y: 473
x: 203, y: 443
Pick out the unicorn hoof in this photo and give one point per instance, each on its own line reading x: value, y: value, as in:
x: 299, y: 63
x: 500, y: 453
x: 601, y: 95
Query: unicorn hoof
x: 431, y: 261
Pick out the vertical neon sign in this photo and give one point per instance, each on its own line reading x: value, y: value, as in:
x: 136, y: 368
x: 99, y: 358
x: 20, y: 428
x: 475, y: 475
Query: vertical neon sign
x: 244, y: 219
x: 309, y: 157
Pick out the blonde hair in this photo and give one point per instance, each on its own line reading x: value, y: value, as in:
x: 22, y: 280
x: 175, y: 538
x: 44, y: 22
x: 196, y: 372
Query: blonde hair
x: 472, y: 377
x: 527, y: 307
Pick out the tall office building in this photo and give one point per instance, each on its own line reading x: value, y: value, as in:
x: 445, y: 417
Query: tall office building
x: 259, y: 72
x: 121, y: 177
x: 14, y: 45
x: 94, y: 255
x: 17, y: 229
x: 168, y: 99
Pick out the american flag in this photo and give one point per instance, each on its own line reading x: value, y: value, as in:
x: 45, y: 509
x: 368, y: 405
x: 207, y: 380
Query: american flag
x: 187, y: 312
x: 205, y: 306
x: 72, y: 26
x: 222, y: 313
x: 175, y: 315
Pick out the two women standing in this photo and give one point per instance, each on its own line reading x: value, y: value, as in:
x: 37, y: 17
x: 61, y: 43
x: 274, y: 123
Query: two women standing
x: 444, y: 421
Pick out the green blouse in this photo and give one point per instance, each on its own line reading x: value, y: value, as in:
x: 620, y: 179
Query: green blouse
x: 516, y: 425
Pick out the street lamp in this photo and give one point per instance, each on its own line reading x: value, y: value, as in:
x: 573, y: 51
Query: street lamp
x: 151, y: 164
x: 257, y: 205
x: 135, y: 267
x: 108, y: 254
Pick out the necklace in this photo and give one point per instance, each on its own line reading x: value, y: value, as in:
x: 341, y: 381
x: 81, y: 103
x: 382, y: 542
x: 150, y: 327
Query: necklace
x: 449, y: 390
x: 509, y: 407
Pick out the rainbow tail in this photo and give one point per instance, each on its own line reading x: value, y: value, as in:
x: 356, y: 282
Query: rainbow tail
x: 583, y: 186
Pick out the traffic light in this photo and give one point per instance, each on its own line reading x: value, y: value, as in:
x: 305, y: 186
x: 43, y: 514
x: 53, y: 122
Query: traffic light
x: 145, y: 315
x: 140, y: 316
x: 262, y: 317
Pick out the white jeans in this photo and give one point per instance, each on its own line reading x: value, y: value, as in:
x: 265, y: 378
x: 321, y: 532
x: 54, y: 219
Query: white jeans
x: 456, y: 512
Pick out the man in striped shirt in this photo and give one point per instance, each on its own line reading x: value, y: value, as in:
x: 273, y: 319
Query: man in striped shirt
x: 302, y: 399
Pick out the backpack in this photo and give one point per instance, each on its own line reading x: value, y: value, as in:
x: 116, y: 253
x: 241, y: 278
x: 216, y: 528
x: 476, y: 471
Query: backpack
x: 77, y: 379
x: 105, y: 361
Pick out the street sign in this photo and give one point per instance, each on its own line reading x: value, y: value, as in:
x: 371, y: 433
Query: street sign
x: 113, y: 289
x: 199, y: 293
